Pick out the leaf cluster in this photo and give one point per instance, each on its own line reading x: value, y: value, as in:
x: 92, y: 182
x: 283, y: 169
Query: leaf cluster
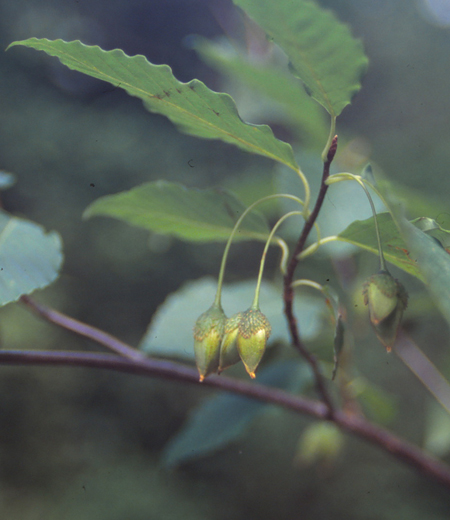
x: 330, y: 63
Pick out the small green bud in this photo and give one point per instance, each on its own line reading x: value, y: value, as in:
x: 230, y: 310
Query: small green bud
x: 208, y: 333
x: 229, y: 354
x: 254, y: 331
x: 387, y: 299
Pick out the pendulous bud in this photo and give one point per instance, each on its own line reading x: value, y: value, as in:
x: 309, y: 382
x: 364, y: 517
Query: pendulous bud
x: 387, y: 299
x: 208, y: 334
x: 253, y: 333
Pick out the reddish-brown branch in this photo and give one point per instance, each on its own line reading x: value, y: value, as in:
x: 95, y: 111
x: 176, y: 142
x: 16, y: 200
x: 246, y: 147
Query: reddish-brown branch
x: 400, y: 449
x: 288, y: 296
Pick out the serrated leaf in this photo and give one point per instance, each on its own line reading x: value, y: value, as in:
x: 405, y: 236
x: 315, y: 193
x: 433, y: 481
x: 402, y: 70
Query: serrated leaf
x: 361, y: 233
x: 322, y: 50
x: 184, y: 306
x: 274, y: 82
x: 224, y: 418
x: 188, y: 213
x: 192, y: 106
x: 30, y: 258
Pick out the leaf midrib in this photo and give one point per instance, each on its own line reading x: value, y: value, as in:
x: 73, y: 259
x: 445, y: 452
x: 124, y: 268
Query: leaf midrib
x: 115, y: 81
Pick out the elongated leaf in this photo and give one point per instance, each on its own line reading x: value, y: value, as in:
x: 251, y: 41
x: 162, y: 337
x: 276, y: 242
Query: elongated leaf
x: 272, y: 81
x: 29, y: 258
x: 184, y: 306
x: 224, y: 418
x: 433, y: 262
x: 361, y: 233
x: 192, y: 106
x: 322, y: 51
x: 190, y: 214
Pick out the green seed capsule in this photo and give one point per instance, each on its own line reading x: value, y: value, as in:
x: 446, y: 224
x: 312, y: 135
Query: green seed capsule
x: 387, y: 299
x: 208, y: 334
x: 229, y: 354
x: 254, y: 331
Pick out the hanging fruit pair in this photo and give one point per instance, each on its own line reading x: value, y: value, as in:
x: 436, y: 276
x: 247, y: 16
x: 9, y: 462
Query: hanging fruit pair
x: 220, y: 342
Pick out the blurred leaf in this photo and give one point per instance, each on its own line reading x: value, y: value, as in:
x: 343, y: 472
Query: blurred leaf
x: 224, y: 418
x: 332, y: 302
x: 433, y: 229
x: 6, y: 180
x: 437, y: 432
x: 185, y: 305
x: 377, y: 403
x: 255, y: 185
x: 362, y: 234
x: 416, y: 202
x: 192, y: 106
x: 433, y: 262
x: 29, y: 258
x: 322, y: 51
x: 272, y: 81
x: 189, y: 214
x: 338, y: 343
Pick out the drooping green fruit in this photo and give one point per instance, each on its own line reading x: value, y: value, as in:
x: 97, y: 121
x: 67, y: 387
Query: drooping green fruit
x: 208, y: 334
x: 387, y: 299
x: 229, y: 354
x: 254, y: 331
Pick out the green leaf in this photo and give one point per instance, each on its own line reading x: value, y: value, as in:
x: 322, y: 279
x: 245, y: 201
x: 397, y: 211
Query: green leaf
x: 184, y: 306
x: 433, y: 262
x: 192, y: 106
x: 322, y: 51
x: 432, y: 228
x: 224, y: 418
x: 437, y: 431
x: 187, y: 213
x: 29, y: 258
x: 378, y: 404
x: 361, y: 233
x: 274, y: 82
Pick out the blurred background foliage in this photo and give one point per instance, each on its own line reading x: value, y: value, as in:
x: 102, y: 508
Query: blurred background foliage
x: 78, y: 443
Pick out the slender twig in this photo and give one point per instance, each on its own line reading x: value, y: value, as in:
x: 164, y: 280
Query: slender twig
x: 142, y: 365
x: 390, y: 443
x: 289, y: 277
x: 83, y: 329
x: 424, y: 369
